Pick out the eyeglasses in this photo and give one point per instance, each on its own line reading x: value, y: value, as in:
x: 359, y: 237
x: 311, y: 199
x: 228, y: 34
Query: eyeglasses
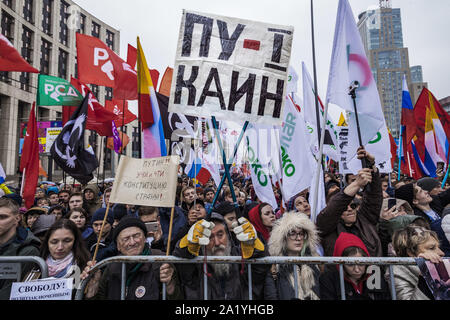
x: 353, y: 205
x: 293, y: 235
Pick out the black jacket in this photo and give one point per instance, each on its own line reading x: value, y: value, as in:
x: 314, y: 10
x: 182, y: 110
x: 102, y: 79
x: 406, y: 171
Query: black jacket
x: 330, y: 288
x: 143, y: 284
x: 232, y: 287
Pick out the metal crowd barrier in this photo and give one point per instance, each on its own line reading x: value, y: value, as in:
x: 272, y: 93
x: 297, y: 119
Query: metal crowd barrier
x: 341, y: 261
x: 11, y: 262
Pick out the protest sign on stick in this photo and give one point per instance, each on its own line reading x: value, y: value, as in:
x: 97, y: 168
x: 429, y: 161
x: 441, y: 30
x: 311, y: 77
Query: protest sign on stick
x: 231, y: 68
x: 146, y: 182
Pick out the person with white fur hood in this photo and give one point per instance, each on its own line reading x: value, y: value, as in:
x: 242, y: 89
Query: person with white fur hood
x: 293, y: 235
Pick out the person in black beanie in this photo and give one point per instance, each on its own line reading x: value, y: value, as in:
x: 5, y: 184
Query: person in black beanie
x: 432, y: 185
x: 106, y: 247
x: 429, y: 207
x: 144, y: 280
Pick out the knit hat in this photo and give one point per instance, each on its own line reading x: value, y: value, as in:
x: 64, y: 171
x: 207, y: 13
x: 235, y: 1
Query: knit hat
x: 346, y: 240
x: 42, y: 224
x: 428, y: 183
x: 406, y: 193
x: 224, y: 208
x: 52, y: 190
x: 329, y: 184
x: 119, y: 211
x: 100, y: 215
x: 15, y: 197
x: 127, y: 222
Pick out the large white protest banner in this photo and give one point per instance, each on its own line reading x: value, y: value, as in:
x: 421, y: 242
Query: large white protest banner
x: 46, y: 289
x: 231, y: 68
x: 146, y: 182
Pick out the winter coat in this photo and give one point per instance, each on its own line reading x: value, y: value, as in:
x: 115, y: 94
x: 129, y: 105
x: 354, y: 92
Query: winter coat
x: 409, y: 283
x: 107, y: 247
x: 24, y: 243
x: 94, y: 204
x: 330, y: 224
x: 232, y: 287
x: 445, y: 224
x: 179, y: 221
x: 279, y: 284
x: 143, y: 284
x: 438, y: 204
x: 330, y: 284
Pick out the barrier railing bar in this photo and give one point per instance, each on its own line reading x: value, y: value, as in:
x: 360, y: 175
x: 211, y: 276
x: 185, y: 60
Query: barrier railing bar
x: 38, y: 260
x: 391, y: 275
x: 237, y: 259
x: 296, y: 280
x: 341, y: 279
x: 250, y: 283
x: 122, y: 284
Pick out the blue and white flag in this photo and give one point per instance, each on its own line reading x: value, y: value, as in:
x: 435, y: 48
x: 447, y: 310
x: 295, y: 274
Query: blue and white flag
x: 2, y: 174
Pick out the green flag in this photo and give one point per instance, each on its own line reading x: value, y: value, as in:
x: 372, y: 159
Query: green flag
x: 53, y: 91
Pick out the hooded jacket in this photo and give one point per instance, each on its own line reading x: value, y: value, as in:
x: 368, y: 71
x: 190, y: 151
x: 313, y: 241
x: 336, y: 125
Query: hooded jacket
x: 279, y: 283
x: 330, y: 287
x: 330, y: 224
x: 24, y: 243
x: 95, y: 203
x: 255, y: 219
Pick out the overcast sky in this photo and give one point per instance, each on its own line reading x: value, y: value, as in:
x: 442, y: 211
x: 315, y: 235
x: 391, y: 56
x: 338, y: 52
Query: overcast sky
x: 425, y: 29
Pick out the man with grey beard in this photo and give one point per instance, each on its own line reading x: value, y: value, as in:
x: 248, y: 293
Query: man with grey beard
x: 225, y: 281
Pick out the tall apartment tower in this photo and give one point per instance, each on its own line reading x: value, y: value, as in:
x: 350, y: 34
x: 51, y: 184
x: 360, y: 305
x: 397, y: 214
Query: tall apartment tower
x: 381, y: 33
x: 42, y: 31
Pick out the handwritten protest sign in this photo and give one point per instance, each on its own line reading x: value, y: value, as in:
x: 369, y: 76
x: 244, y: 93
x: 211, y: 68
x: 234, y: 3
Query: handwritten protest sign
x: 46, y: 289
x: 231, y: 68
x: 146, y: 182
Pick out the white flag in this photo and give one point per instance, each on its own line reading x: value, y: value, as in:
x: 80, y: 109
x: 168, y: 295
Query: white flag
x: 297, y: 161
x: 258, y: 143
x: 349, y: 64
x: 309, y: 113
x: 321, y: 198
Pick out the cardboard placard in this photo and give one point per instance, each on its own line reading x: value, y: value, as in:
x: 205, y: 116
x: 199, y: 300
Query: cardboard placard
x: 231, y: 68
x: 46, y: 289
x: 146, y: 182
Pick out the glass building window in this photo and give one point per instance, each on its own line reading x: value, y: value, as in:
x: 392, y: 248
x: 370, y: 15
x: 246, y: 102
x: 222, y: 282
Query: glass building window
x: 95, y: 32
x: 27, y: 45
x: 62, y: 64
x: 64, y: 30
x: 46, y: 52
x: 28, y: 10
x: 8, y: 26
x: 47, y: 16
x: 108, y: 93
x: 82, y: 28
x: 110, y: 39
x: 9, y: 3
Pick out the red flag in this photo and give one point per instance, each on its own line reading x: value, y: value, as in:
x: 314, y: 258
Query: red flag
x: 116, y: 107
x: 99, y: 119
x: 29, y: 163
x: 10, y: 58
x: 394, y: 158
x: 420, y: 109
x: 132, y: 59
x: 98, y: 64
x: 132, y: 56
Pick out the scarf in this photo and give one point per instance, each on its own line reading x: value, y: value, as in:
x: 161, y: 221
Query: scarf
x: 55, y: 267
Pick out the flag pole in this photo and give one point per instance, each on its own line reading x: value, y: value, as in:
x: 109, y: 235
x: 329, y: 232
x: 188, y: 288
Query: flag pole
x: 316, y: 94
x: 400, y: 153
x: 123, y: 125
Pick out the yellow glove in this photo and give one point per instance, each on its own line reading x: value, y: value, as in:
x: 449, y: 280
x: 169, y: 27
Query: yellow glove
x: 5, y: 188
x: 197, y: 236
x: 246, y: 234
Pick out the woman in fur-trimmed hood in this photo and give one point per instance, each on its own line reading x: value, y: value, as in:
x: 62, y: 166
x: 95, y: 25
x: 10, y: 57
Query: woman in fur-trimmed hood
x: 293, y: 235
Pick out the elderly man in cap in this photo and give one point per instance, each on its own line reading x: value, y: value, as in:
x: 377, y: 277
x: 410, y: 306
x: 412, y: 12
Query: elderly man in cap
x: 225, y: 281
x: 143, y: 280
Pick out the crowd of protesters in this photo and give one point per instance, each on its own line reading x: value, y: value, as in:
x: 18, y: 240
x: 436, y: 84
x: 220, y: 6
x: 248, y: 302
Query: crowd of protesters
x: 367, y: 215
